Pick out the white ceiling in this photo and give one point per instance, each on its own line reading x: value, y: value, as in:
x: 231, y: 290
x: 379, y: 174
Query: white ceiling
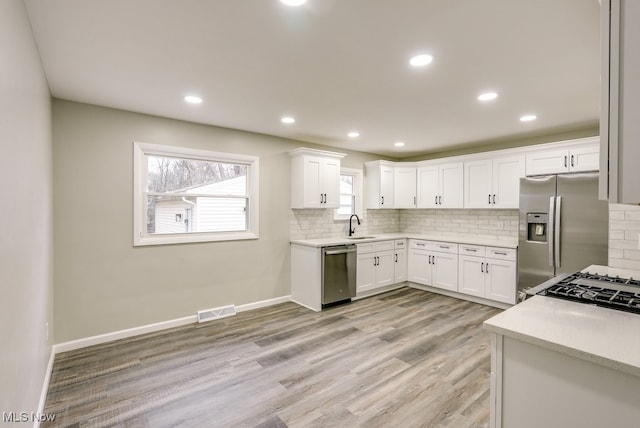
x: 336, y: 65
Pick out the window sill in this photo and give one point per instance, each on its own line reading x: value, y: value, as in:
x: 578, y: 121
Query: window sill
x: 193, y: 238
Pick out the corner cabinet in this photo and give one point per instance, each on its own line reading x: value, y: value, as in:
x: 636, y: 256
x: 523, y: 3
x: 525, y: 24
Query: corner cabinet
x: 315, y: 178
x: 619, y: 124
x: 380, y: 184
x: 493, y: 183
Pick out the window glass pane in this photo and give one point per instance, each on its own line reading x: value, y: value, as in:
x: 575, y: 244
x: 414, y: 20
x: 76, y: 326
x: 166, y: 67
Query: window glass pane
x: 346, y: 205
x: 191, y: 214
x: 346, y: 184
x: 178, y: 175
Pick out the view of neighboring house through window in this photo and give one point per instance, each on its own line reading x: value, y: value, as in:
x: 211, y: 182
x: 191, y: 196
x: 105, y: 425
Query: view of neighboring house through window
x: 188, y: 195
x: 350, y: 194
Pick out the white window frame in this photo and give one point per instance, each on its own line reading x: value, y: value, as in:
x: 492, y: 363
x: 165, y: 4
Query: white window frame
x: 140, y: 235
x: 357, y: 191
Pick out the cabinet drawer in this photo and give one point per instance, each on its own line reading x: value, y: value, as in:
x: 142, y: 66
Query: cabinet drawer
x: 444, y: 247
x: 419, y: 245
x: 369, y: 247
x: 472, y: 250
x: 501, y: 253
x: 400, y: 244
x: 384, y: 245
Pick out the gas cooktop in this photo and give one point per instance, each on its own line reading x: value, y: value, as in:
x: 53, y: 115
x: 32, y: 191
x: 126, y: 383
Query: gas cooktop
x: 600, y: 290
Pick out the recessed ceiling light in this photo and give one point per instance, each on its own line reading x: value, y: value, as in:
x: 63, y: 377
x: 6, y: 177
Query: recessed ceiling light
x: 288, y: 120
x: 399, y: 144
x: 421, y: 60
x: 293, y: 2
x: 528, y: 118
x: 193, y: 99
x: 353, y: 134
x: 487, y: 96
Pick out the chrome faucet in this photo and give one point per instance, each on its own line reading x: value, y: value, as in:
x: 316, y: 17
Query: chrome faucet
x: 352, y: 230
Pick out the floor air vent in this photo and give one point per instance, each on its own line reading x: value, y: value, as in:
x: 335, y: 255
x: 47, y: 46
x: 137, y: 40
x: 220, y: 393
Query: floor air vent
x: 216, y: 313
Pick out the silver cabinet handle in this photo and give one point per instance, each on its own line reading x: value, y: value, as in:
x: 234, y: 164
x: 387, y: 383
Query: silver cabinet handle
x: 440, y: 200
x: 321, y: 200
x: 420, y: 245
x: 572, y: 165
x: 482, y: 267
x: 551, y: 227
x: 486, y: 268
x: 414, y: 201
x: 557, y: 230
x: 436, y: 200
x: 500, y: 253
x: 494, y: 199
x: 489, y: 199
x: 396, y: 257
x: 473, y: 250
x: 446, y: 247
x: 382, y: 197
x: 565, y: 161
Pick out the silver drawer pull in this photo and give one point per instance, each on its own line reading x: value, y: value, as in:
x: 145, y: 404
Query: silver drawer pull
x: 446, y: 247
x: 473, y: 250
x: 501, y: 253
x: 420, y: 245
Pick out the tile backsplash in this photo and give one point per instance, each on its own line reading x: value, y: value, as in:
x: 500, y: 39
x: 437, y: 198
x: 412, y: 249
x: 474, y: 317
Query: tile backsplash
x: 486, y: 224
x: 624, y: 231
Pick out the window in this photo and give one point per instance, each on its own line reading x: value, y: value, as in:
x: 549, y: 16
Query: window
x: 350, y: 194
x: 183, y: 195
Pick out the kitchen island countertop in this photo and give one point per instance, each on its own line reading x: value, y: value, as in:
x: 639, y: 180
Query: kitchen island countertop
x: 603, y: 336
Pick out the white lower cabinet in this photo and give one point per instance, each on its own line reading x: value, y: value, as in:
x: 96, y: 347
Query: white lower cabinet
x: 376, y: 265
x: 433, y: 263
x: 488, y: 272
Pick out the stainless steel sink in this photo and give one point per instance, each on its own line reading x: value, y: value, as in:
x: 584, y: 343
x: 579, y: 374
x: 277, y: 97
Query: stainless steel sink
x: 360, y: 237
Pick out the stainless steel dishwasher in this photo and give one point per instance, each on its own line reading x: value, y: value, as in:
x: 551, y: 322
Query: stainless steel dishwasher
x: 338, y: 274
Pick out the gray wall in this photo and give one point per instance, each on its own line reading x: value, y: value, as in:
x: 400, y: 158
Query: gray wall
x: 25, y: 214
x: 102, y: 283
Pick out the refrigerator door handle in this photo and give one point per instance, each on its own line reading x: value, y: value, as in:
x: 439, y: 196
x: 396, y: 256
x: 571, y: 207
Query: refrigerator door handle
x: 556, y: 238
x: 551, y: 227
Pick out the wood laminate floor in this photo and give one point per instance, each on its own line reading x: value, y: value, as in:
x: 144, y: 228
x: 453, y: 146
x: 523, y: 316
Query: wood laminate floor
x: 407, y: 358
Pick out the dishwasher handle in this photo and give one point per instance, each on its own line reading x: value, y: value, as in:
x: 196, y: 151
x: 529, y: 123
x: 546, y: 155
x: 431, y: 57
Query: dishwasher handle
x: 340, y: 251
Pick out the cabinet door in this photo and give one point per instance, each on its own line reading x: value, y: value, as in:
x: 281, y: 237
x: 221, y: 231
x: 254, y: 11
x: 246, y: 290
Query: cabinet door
x: 444, y: 269
x: 585, y: 158
x: 478, y: 184
x: 548, y: 162
x: 451, y: 185
x: 400, y: 268
x: 501, y: 281
x: 471, y: 277
x: 404, y: 194
x: 418, y: 267
x: 385, y: 268
x: 386, y: 186
x: 366, y: 272
x: 506, y: 181
x: 427, y: 186
x: 331, y: 182
x: 313, y: 184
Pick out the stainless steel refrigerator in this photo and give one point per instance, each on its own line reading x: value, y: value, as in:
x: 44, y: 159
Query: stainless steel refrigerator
x: 563, y: 227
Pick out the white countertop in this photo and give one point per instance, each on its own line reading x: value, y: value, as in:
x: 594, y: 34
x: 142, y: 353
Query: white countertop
x: 607, y: 337
x: 508, y: 242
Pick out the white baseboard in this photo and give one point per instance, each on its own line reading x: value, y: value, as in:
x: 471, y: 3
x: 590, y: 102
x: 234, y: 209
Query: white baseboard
x: 45, y: 387
x: 263, y: 303
x: 150, y: 328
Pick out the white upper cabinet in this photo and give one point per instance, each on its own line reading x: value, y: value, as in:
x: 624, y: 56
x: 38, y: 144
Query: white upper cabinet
x: 493, y: 183
x: 404, y: 193
x: 584, y: 157
x: 619, y: 124
x: 380, y: 184
x: 315, y: 178
x: 440, y: 185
